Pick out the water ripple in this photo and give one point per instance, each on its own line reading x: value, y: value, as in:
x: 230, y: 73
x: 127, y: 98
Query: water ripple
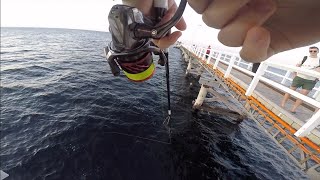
x: 64, y: 116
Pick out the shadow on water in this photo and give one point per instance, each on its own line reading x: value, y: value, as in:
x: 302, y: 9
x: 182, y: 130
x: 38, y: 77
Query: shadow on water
x: 203, y: 149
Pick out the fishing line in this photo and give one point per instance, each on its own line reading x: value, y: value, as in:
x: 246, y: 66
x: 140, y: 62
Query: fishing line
x: 131, y: 49
x: 166, y: 121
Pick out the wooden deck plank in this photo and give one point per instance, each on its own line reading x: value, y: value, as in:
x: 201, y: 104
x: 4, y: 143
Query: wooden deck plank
x: 303, y: 112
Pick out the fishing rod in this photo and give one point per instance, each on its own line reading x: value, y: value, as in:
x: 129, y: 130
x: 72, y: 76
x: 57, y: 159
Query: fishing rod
x: 131, y: 47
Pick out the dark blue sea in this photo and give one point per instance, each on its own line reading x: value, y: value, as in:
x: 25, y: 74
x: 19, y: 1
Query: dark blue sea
x: 65, y: 116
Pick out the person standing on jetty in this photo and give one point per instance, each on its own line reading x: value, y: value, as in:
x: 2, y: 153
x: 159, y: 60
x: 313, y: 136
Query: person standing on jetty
x: 208, y: 51
x: 307, y: 83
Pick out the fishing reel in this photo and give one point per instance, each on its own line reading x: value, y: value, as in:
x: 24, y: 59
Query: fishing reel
x: 131, y: 47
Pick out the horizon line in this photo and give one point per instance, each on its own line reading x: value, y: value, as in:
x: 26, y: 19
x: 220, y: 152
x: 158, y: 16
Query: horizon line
x: 40, y: 27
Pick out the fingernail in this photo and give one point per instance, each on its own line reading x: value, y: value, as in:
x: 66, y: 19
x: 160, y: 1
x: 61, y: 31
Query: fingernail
x: 256, y: 45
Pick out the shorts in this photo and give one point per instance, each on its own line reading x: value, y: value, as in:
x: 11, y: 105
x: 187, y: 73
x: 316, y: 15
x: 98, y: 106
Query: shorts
x: 304, y: 83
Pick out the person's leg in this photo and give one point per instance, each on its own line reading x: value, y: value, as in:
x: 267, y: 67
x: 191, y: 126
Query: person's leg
x: 255, y: 67
x: 299, y: 101
x: 286, y: 97
x: 296, y: 82
x: 307, y: 86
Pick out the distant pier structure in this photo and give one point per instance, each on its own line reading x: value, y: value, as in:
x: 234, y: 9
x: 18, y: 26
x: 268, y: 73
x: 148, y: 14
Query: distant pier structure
x: 259, y: 96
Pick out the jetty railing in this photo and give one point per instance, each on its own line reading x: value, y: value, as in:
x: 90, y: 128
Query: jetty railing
x: 279, y: 80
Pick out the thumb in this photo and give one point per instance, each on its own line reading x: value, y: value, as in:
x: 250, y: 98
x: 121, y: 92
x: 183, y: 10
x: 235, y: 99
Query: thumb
x: 256, y: 45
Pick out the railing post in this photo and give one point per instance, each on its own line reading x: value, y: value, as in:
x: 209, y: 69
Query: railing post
x: 285, y: 77
x: 204, y: 55
x: 198, y: 52
x: 237, y: 62
x: 316, y: 94
x: 256, y: 79
x: 217, y: 61
x: 231, y: 63
x: 249, y: 66
x: 312, y: 123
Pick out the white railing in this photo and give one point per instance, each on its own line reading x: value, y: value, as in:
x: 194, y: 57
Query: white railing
x: 283, y: 79
x: 232, y: 60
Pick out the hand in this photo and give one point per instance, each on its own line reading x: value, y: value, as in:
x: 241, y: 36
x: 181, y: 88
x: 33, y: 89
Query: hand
x: 262, y: 27
x: 146, y: 7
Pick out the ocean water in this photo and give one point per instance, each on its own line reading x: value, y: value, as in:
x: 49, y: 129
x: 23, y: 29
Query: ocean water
x: 64, y: 116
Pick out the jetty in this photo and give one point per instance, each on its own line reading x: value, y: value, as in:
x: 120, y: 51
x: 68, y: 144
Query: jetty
x: 259, y: 96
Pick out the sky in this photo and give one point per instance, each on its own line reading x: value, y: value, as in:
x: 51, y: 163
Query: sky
x: 93, y: 15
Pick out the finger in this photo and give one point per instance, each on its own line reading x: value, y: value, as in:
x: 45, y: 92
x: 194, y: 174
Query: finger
x: 167, y: 41
x: 169, y: 14
x: 181, y: 25
x: 256, y: 45
x: 219, y: 12
x: 199, y: 5
x: 144, y: 6
x: 253, y: 14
